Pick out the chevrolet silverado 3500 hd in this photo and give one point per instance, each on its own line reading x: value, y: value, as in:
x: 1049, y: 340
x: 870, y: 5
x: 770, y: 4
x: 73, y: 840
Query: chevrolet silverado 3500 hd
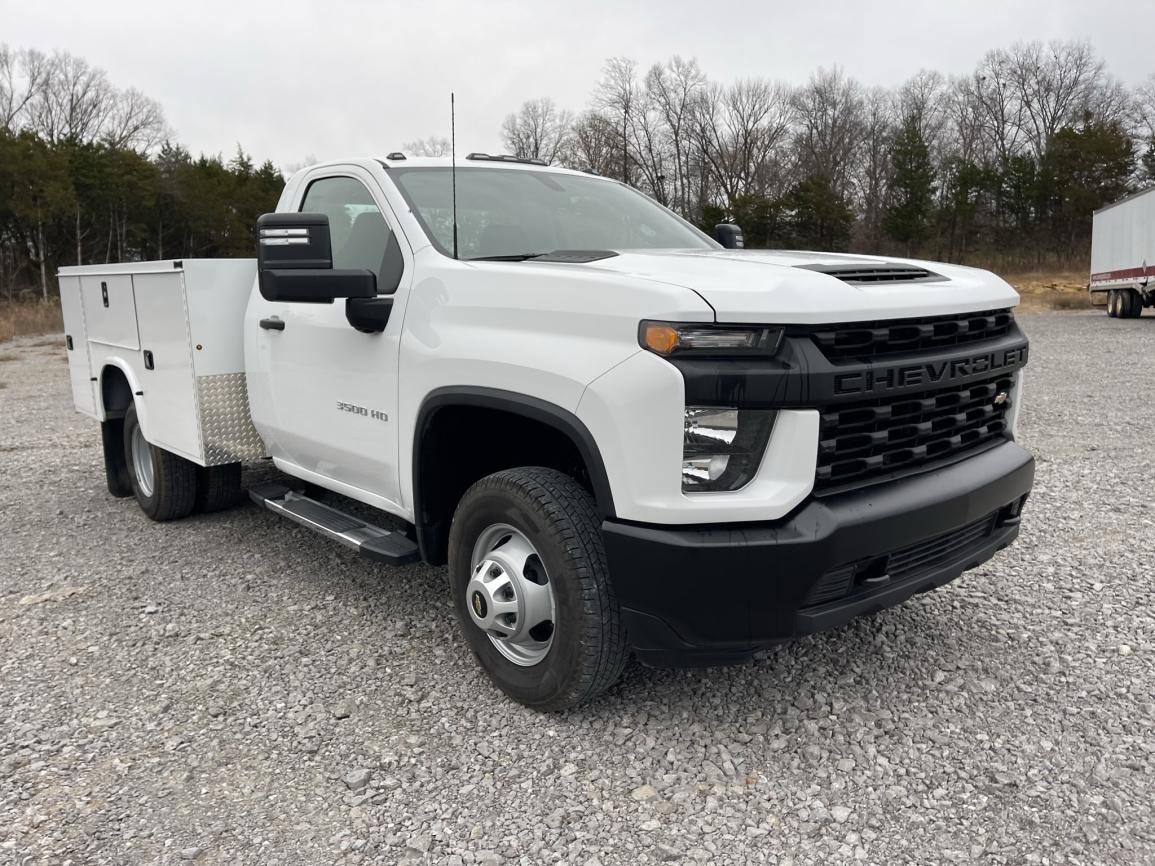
x: 619, y: 434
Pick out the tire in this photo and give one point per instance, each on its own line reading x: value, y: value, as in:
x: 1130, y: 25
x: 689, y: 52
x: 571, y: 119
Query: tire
x: 171, y: 492
x: 1131, y: 305
x: 218, y: 487
x: 115, y: 467
x: 1113, y: 304
x: 585, y: 649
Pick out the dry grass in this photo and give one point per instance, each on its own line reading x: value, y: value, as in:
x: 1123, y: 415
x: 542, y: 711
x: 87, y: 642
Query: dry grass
x: 1051, y: 290
x: 32, y: 317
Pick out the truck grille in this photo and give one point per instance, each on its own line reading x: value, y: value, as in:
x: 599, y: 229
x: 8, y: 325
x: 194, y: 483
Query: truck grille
x: 924, y: 556
x: 865, y: 440
x: 900, y: 336
x: 903, y: 564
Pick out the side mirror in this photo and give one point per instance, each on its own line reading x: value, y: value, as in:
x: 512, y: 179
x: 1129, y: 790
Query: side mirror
x: 729, y: 236
x: 295, y: 262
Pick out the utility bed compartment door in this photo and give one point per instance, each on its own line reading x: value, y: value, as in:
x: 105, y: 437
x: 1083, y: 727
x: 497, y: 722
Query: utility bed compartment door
x: 109, y: 310
x: 76, y: 344
x: 167, y: 365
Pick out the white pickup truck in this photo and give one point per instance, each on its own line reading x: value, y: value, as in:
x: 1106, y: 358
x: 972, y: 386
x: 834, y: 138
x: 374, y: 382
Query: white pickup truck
x: 621, y: 435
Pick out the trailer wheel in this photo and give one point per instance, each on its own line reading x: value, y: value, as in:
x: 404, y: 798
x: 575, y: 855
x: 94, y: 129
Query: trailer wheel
x: 165, y: 485
x: 1113, y: 304
x: 218, y: 487
x: 1130, y: 305
x: 530, y: 587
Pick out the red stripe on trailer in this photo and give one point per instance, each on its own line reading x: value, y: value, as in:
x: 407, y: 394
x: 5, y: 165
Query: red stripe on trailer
x: 1124, y: 274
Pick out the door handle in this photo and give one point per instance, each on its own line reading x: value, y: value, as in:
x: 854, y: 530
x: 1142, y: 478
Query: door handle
x: 273, y: 324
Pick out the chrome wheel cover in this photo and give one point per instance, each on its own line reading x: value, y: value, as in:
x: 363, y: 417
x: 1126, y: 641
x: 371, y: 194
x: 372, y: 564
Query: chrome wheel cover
x: 509, y: 595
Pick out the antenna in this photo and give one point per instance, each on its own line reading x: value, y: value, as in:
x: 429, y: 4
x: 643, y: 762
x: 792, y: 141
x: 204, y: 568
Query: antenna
x: 453, y: 163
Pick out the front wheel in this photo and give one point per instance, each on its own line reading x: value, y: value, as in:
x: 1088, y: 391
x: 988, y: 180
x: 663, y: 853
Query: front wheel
x: 531, y: 589
x: 165, y: 485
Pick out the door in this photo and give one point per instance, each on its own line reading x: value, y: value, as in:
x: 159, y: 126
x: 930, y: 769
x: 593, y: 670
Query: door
x: 76, y: 342
x: 324, y: 394
x: 110, y: 310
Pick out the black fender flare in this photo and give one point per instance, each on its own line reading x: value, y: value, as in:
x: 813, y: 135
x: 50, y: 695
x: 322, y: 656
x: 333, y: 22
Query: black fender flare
x: 533, y: 408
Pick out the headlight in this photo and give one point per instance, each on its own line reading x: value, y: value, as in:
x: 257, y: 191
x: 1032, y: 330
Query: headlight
x: 699, y: 340
x: 723, y: 447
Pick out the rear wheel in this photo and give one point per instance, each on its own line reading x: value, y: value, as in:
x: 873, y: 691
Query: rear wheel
x: 531, y: 590
x: 1131, y: 306
x: 164, y: 484
x: 1113, y: 304
x: 218, y: 487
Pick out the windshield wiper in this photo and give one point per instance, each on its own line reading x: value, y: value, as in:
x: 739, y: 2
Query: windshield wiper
x: 516, y: 257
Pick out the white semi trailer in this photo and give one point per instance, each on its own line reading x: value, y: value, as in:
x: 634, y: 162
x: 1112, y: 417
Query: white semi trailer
x: 1123, y: 255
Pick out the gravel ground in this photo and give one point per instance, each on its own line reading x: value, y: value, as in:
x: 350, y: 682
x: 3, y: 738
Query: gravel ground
x: 231, y: 689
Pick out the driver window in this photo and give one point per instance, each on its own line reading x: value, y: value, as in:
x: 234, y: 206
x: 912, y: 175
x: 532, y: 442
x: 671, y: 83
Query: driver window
x: 361, y: 237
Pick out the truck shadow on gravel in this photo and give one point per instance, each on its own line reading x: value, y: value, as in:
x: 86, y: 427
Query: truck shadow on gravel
x: 329, y: 598
x: 895, y: 651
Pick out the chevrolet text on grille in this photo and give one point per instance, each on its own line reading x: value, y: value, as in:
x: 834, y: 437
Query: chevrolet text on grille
x: 912, y: 375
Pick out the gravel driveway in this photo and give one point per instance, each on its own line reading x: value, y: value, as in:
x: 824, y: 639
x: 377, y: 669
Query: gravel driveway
x: 232, y: 689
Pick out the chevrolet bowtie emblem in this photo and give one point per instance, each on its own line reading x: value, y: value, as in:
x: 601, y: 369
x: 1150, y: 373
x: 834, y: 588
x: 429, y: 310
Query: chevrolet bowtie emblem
x: 1001, y: 398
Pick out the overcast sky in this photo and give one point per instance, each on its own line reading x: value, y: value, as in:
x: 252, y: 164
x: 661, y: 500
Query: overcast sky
x: 328, y: 78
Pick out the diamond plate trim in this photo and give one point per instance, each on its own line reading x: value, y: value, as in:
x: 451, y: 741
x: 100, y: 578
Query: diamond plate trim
x: 227, y: 431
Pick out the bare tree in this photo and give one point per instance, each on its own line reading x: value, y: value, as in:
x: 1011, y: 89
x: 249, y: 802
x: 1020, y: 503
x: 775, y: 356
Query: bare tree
x: 616, y: 96
x: 431, y: 146
x: 829, y: 111
x: 993, y: 91
x: 1056, y: 84
x: 740, y: 128
x: 925, y: 98
x: 674, y: 90
x: 64, y: 99
x: 1032, y: 90
x: 592, y: 145
x: 1145, y: 106
x: 966, y: 132
x: 879, y: 118
x: 136, y: 122
x: 75, y: 103
x: 538, y: 130
x: 22, y: 77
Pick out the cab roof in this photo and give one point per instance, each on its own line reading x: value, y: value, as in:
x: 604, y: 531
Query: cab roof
x: 398, y: 159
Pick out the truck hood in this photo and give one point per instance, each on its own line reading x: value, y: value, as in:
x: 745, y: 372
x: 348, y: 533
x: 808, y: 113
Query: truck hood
x: 791, y: 288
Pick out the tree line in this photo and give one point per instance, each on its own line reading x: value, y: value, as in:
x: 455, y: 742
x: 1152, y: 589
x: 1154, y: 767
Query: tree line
x: 88, y: 174
x: 1002, y: 166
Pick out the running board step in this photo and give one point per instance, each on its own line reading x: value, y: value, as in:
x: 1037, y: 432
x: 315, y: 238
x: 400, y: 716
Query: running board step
x: 370, y: 541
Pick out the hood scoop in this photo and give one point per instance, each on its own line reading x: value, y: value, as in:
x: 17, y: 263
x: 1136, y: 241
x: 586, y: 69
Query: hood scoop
x: 881, y: 273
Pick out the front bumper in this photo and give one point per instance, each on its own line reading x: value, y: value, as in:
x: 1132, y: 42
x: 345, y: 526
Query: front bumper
x: 716, y: 594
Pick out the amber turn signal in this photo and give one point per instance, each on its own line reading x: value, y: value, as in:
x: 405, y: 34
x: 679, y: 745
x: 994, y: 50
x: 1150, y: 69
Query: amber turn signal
x: 707, y: 340
x: 660, y: 338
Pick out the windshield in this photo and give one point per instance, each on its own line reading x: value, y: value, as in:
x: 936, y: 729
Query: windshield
x: 518, y: 213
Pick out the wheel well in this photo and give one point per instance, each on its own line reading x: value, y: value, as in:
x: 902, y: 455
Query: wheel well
x: 115, y: 392
x: 458, y: 444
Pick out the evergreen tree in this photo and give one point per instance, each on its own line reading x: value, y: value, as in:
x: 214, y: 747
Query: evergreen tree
x: 816, y: 217
x: 907, y: 217
x: 1084, y: 168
